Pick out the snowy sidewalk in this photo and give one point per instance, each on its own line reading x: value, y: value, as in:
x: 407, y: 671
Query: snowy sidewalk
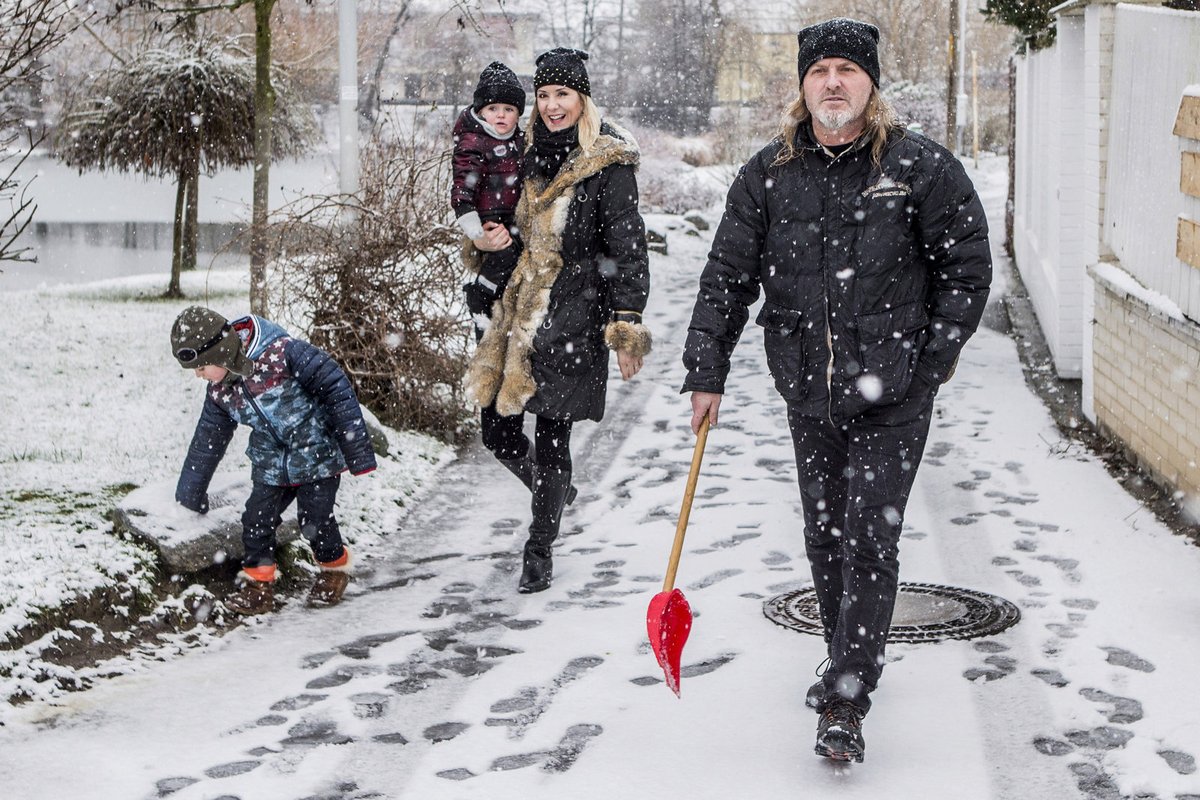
x: 437, y: 680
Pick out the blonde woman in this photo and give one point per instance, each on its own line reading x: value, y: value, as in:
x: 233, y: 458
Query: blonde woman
x: 578, y: 292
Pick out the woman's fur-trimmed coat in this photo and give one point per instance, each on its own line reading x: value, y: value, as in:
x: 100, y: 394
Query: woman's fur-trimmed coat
x: 546, y: 350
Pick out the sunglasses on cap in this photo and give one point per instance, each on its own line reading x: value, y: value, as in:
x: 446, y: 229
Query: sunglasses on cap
x: 188, y: 355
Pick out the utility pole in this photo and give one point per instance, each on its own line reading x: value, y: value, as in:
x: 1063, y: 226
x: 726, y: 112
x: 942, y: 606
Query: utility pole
x: 960, y: 113
x: 975, y: 108
x: 348, y: 96
x: 621, y: 54
x: 952, y: 76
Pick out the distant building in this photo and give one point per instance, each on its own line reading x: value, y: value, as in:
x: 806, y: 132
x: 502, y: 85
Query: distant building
x: 759, y: 59
x: 436, y: 58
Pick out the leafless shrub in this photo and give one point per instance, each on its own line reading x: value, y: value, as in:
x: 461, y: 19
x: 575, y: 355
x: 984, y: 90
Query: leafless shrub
x: 921, y: 106
x: 375, y: 277
x: 29, y: 29
x: 664, y: 187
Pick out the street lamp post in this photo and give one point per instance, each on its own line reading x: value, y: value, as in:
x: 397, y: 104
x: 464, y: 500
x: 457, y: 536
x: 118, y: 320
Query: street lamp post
x: 348, y: 96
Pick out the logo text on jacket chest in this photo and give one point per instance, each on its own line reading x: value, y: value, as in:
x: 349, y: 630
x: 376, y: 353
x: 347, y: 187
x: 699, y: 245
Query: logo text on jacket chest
x: 886, y: 187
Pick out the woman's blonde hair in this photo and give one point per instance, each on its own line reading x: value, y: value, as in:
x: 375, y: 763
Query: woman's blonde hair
x: 589, y: 122
x: 881, y: 121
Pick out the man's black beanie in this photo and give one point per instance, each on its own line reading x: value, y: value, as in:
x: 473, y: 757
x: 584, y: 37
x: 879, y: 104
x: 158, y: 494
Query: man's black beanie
x: 562, y: 66
x: 840, y: 38
x: 499, y: 84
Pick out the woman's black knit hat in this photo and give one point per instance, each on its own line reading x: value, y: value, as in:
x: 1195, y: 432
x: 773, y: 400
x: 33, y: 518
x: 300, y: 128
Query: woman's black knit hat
x: 562, y: 66
x: 499, y: 84
x: 840, y: 38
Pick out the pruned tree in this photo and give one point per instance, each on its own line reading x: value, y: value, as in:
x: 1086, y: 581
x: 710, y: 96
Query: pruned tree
x: 29, y: 29
x: 182, y: 111
x: 179, y: 12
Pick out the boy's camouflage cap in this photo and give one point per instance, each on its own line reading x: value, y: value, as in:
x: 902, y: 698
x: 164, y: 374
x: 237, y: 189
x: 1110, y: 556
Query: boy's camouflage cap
x: 196, y: 326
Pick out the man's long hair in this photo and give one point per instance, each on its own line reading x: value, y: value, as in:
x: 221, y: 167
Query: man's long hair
x: 881, y: 121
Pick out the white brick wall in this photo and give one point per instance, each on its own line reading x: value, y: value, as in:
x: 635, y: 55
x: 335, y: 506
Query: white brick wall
x: 1146, y: 385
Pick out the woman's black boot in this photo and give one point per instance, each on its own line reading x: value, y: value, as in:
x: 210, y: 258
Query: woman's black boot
x: 550, y: 488
x: 523, y: 468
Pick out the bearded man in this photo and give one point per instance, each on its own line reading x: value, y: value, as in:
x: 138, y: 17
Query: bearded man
x: 870, y: 245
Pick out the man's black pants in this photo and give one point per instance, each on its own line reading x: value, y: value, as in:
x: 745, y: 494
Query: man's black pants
x: 855, y: 480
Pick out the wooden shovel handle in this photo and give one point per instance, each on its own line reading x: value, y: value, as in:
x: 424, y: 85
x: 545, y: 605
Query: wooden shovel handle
x: 688, y: 495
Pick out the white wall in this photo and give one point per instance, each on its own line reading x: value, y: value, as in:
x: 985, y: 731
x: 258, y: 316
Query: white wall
x: 1097, y: 174
x: 1156, y: 55
x: 1049, y: 212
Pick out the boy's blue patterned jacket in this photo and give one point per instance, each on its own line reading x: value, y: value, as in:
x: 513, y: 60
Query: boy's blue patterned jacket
x: 306, y: 420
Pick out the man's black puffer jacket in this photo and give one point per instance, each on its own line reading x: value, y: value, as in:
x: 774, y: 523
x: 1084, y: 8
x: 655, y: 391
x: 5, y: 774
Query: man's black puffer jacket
x: 871, y: 274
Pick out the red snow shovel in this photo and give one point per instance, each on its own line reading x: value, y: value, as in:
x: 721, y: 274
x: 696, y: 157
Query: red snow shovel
x: 669, y: 618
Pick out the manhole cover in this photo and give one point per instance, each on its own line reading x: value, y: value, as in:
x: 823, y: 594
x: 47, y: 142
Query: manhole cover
x: 924, y: 612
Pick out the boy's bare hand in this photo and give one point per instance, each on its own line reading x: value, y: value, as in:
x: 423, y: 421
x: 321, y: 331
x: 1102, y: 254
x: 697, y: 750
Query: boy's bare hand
x: 197, y: 504
x: 495, y: 237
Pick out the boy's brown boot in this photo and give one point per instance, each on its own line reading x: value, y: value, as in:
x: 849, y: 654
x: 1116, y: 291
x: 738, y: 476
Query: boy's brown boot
x: 331, y: 582
x: 252, y: 597
x: 329, y: 588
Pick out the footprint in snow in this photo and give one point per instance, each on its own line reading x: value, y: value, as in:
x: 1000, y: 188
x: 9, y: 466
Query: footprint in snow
x: 1123, y: 658
x: 559, y: 759
x: 715, y: 577
x: 689, y: 670
x: 1124, y: 709
x: 1183, y: 763
x: 1051, y: 677
x: 360, y: 649
x: 444, y: 731
x: 527, y: 706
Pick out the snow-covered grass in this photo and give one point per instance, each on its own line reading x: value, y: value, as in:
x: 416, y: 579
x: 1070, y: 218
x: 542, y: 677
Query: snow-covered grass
x: 93, y: 405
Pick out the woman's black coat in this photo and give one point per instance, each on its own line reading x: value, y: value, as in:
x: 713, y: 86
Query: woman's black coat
x: 584, y: 263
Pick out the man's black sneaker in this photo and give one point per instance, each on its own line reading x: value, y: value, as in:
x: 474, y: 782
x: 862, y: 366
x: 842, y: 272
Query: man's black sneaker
x: 839, y: 732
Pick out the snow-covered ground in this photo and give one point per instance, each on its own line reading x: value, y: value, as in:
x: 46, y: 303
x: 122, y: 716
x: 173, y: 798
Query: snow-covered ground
x: 93, y: 403
x: 435, y: 679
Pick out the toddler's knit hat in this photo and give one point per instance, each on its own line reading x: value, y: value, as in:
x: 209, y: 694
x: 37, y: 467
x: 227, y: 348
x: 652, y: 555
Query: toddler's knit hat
x: 499, y: 84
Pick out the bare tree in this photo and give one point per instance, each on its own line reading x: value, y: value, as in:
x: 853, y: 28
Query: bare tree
x: 369, y: 104
x: 572, y: 23
x: 29, y: 29
x: 912, y: 34
x: 681, y: 44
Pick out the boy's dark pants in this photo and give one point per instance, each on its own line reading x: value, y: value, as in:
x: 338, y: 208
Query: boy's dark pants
x: 855, y: 480
x: 314, y: 509
x: 494, y: 271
